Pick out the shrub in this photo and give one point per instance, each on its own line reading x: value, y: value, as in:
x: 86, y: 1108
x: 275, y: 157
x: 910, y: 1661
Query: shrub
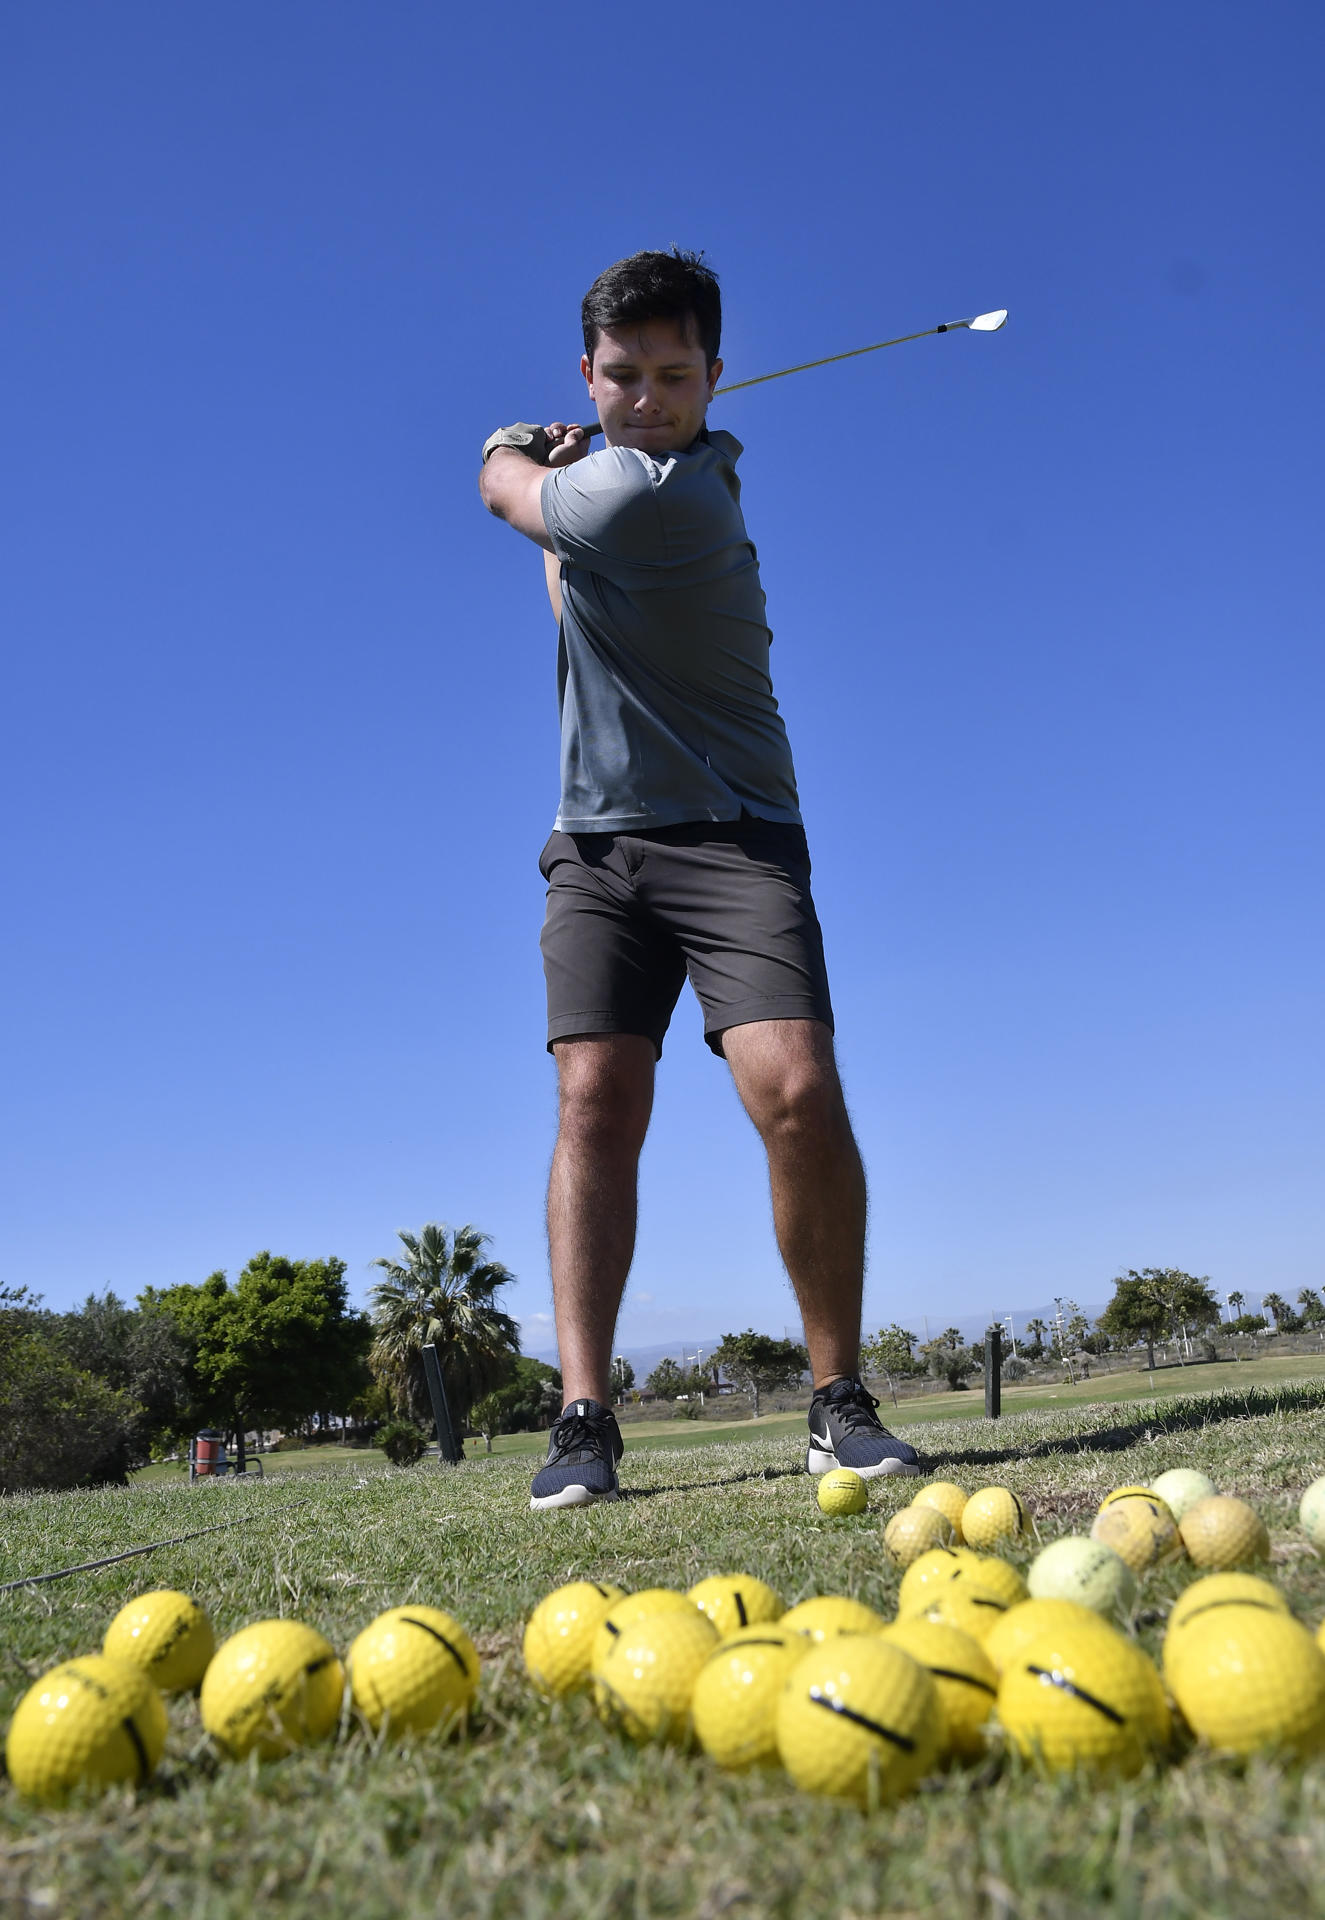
x: 1015, y: 1368
x: 688, y: 1410
x: 58, y: 1427
x: 401, y: 1442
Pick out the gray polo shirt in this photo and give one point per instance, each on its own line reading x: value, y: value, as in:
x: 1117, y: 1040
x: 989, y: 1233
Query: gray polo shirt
x: 667, y: 708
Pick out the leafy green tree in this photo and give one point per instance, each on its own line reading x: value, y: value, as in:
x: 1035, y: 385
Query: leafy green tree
x: 1249, y: 1323
x: 530, y: 1399
x: 668, y: 1381
x: 59, y: 1426
x: 622, y: 1378
x: 278, y: 1348
x: 1156, y: 1301
x: 1285, y: 1320
x: 759, y: 1364
x: 1313, y: 1307
x: 889, y: 1352
x: 139, y: 1351
x: 442, y: 1293
x: 943, y: 1362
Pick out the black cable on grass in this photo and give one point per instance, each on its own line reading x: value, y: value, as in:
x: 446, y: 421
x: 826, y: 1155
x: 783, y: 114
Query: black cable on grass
x: 90, y: 1566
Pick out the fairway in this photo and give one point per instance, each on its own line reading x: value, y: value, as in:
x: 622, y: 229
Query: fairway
x: 542, y: 1812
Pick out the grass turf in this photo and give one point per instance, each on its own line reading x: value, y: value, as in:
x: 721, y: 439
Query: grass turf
x: 541, y: 1811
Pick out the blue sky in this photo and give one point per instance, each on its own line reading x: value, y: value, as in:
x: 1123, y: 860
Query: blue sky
x: 279, y: 735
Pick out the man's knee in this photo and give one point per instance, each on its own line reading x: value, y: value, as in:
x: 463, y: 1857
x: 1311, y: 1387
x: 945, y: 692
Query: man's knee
x: 605, y: 1085
x: 787, y: 1076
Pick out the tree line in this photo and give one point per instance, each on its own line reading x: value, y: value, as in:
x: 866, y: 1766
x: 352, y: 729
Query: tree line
x: 90, y: 1394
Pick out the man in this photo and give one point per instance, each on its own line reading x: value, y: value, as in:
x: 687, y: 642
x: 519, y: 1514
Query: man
x: 678, y: 849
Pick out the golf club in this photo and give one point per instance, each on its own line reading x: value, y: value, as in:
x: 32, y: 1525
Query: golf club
x: 981, y: 323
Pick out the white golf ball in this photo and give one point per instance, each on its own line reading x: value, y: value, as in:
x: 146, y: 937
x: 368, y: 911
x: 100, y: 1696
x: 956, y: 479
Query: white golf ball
x: 1182, y: 1487
x: 1311, y: 1513
x: 1086, y: 1571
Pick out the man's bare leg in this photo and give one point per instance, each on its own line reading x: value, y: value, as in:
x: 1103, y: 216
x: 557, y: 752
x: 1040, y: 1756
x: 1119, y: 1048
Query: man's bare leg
x: 605, y: 1083
x: 786, y: 1075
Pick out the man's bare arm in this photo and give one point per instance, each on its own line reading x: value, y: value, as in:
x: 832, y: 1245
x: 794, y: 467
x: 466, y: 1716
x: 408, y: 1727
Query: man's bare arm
x: 511, y: 484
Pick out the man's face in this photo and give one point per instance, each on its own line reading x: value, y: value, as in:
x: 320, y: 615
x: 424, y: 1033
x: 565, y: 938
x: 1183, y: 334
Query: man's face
x: 650, y: 385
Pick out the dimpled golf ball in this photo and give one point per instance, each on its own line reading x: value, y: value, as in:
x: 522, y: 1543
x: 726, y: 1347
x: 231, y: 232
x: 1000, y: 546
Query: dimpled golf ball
x: 1022, y: 1626
x: 1182, y: 1487
x: 949, y: 1500
x: 1218, y: 1590
x: 167, y: 1635
x: 1085, y: 1571
x: 859, y: 1720
x: 630, y: 1608
x: 932, y: 1570
x: 1247, y: 1679
x: 559, y: 1635
x: 994, y: 1517
x: 1140, y: 1530
x: 91, y: 1722
x: 1311, y: 1514
x: 736, y: 1600
x: 270, y: 1688
x: 734, y: 1704
x: 962, y: 1604
x: 1082, y: 1697
x: 842, y: 1491
x: 412, y: 1669
x: 1223, y: 1532
x: 963, y: 1674
x: 826, y: 1616
x: 1129, y: 1493
x: 915, y: 1530
x: 646, y: 1678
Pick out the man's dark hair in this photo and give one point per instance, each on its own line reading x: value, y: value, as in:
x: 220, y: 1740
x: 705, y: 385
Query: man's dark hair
x: 656, y: 286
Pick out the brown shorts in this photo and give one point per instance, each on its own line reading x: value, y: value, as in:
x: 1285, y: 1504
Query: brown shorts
x: 629, y: 915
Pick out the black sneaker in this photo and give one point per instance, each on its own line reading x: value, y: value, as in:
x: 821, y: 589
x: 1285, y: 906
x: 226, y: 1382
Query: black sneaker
x: 582, y: 1451
x: 845, y: 1432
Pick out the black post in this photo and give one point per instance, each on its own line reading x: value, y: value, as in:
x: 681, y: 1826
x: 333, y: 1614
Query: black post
x: 447, y: 1448
x: 993, y: 1372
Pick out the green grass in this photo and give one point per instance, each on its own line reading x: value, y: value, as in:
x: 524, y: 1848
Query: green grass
x: 542, y: 1812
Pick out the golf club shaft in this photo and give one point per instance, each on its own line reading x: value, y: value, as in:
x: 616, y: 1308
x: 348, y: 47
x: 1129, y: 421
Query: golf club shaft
x: 805, y: 366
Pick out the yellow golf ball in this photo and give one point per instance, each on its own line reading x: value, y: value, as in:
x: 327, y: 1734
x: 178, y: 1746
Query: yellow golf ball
x: 948, y: 1500
x: 93, y: 1722
x: 915, y: 1530
x: 1130, y: 1493
x: 971, y: 1609
x: 932, y: 1570
x: 647, y: 1675
x: 827, y: 1616
x: 628, y: 1611
x: 1082, y: 1697
x: 859, y: 1720
x: 559, y: 1634
x: 733, y: 1601
x: 1247, y: 1679
x: 167, y: 1635
x: 1140, y: 1530
x: 963, y: 1674
x: 734, y: 1704
x: 842, y: 1491
x: 1182, y: 1487
x: 270, y: 1688
x: 1022, y: 1626
x: 994, y: 1517
x: 1223, y: 1532
x: 411, y: 1669
x: 1223, y: 1590
x: 1087, y: 1571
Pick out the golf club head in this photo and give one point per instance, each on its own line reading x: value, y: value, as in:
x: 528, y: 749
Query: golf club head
x: 988, y: 322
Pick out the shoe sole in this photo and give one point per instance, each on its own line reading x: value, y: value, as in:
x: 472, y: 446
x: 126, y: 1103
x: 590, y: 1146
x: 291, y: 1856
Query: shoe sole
x: 570, y: 1497
x: 816, y: 1461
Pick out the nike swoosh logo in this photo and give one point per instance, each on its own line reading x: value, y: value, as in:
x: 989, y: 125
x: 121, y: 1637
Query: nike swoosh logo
x: 821, y: 1438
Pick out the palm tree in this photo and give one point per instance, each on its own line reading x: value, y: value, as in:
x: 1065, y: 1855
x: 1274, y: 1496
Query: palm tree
x: 1237, y: 1302
x: 1037, y: 1330
x: 1279, y: 1307
x: 443, y: 1292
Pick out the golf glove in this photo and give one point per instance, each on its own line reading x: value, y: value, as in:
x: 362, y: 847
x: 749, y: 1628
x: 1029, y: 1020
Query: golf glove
x: 525, y: 438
